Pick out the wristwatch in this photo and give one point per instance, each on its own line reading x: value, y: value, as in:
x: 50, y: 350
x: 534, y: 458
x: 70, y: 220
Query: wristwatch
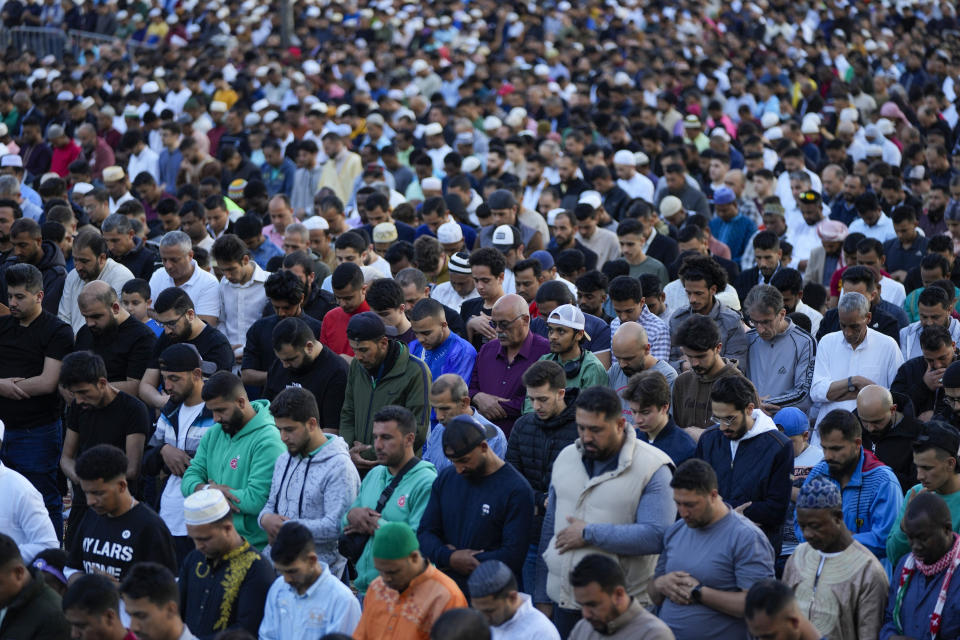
x: 850, y: 386
x: 697, y: 594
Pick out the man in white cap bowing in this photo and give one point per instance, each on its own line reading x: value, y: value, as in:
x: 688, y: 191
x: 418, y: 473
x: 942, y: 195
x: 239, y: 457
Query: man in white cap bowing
x: 224, y: 581
x: 630, y: 180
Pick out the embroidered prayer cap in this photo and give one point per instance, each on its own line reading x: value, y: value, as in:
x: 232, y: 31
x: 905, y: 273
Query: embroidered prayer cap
x: 394, y: 540
x: 204, y: 507
x: 449, y: 232
x: 819, y: 492
x: 460, y: 262
x: 489, y: 578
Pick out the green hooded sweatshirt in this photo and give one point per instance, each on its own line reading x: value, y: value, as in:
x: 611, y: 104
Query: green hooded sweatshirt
x: 406, y: 504
x: 243, y: 462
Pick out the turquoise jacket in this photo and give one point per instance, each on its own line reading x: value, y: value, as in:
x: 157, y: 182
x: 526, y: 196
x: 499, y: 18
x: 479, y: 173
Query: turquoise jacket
x: 243, y: 462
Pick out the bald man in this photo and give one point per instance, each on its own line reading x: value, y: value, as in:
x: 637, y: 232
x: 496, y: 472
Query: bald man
x: 124, y: 343
x: 496, y: 385
x: 889, y: 428
x: 631, y: 348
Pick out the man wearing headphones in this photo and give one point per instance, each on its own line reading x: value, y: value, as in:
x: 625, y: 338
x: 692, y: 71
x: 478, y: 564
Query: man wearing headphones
x: 565, y: 330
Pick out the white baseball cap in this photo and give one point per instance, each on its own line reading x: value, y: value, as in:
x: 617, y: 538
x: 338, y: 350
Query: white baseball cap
x: 567, y: 315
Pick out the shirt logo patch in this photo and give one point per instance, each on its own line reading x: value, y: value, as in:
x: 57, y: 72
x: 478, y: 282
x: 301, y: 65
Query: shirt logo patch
x: 235, y: 462
x: 401, y: 501
x: 485, y: 509
x: 126, y: 534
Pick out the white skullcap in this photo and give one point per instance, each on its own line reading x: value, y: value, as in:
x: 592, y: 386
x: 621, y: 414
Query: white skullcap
x: 204, y: 507
x: 449, y: 232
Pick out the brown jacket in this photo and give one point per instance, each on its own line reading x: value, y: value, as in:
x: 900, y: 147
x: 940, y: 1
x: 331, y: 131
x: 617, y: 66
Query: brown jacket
x: 691, y: 396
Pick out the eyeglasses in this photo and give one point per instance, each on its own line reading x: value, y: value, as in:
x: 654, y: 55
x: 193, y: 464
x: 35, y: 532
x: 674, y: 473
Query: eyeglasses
x: 503, y: 325
x: 170, y: 324
x: 727, y: 421
x: 952, y: 400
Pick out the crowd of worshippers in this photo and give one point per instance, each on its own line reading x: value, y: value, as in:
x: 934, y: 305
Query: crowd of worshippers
x: 484, y: 351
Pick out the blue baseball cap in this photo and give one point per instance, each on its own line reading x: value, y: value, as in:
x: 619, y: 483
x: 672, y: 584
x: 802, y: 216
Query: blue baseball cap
x: 793, y: 421
x: 544, y: 258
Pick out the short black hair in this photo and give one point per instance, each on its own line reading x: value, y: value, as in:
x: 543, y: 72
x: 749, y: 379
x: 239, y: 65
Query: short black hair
x: 101, y: 462
x: 698, y: 267
x: 461, y: 623
x: 291, y: 331
x: 602, y: 400
x: 347, y: 274
x: 528, y: 265
x: 935, y: 296
x: 399, y: 251
x: 24, y: 275
x: 151, y: 581
x: 934, y: 337
x: 173, y: 298
x: 695, y: 475
x: 82, y: 367
x: 554, y: 291
x: 592, y: 281
x: 404, y: 418
x: 843, y: 421
x: 570, y: 261
x: 625, y: 288
x: 248, y: 226
x: 737, y: 391
x: 859, y: 274
x: 228, y: 248
x: 766, y: 241
x: 9, y: 551
x: 91, y: 593
x: 222, y: 384
x: 354, y: 239
x: 137, y: 285
x: 544, y: 372
x: 427, y: 308
x: 297, y: 404
x: 285, y: 286
x: 490, y: 258
x: 768, y: 596
x: 292, y: 541
x: 603, y: 570
x: 787, y: 280
x: 384, y: 294
x: 697, y: 333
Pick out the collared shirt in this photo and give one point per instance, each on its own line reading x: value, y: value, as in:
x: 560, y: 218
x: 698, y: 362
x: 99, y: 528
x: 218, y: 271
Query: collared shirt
x: 202, y: 287
x: 876, y: 358
x: 881, y: 230
x: 113, y: 273
x: 267, y: 250
x: 493, y: 373
x: 240, y: 306
x: 274, y: 236
x: 658, y: 333
x: 391, y: 615
x: 148, y: 161
x: 115, y: 204
x: 527, y: 623
x: 433, y: 448
x: 327, y: 606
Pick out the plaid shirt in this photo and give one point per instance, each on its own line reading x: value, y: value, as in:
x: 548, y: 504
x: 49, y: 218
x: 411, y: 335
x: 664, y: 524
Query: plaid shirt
x: 658, y: 333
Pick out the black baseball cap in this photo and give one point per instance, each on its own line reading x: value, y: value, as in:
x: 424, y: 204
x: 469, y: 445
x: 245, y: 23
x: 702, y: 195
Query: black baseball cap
x: 184, y: 356
x: 941, y: 435
x: 463, y: 434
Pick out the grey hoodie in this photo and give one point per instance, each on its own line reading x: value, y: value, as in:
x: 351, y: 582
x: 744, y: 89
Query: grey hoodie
x: 327, y: 483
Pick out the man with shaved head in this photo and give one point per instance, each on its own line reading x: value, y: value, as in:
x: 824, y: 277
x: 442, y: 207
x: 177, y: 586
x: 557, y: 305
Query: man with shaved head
x: 496, y: 384
x: 632, y: 351
x: 92, y: 262
x: 124, y: 343
x: 889, y: 429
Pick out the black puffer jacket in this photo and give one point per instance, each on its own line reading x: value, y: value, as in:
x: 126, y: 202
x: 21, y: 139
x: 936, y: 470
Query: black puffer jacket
x: 533, y: 446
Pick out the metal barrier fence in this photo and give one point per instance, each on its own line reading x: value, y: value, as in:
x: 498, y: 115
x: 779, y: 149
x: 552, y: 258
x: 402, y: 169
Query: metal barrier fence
x: 44, y: 41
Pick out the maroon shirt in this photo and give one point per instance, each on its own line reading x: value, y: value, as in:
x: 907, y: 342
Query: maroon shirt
x: 493, y: 374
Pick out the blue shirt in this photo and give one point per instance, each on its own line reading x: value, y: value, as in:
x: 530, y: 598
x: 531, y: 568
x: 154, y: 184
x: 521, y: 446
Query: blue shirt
x: 454, y: 355
x: 673, y: 441
x: 328, y: 606
x: 735, y: 234
x: 433, y: 448
x: 279, y: 179
x: 262, y: 254
x: 169, y: 164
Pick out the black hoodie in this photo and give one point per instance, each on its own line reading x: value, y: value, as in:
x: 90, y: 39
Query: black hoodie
x: 894, y: 446
x: 534, y: 445
x: 54, y: 270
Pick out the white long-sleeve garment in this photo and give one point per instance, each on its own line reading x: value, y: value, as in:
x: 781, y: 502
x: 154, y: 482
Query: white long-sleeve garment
x: 23, y: 516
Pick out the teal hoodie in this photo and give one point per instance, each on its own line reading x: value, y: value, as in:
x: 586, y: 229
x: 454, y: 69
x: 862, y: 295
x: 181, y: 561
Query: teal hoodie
x: 243, y: 462
x: 406, y: 504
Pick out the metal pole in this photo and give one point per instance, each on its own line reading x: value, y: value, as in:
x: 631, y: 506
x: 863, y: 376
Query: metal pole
x: 286, y: 22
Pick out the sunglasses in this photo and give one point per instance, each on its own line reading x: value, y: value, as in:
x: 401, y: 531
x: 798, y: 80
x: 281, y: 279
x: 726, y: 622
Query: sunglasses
x: 503, y: 325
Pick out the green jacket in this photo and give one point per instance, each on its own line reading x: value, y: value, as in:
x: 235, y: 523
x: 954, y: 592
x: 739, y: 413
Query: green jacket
x: 35, y: 613
x: 404, y: 380
x: 243, y: 462
x: 406, y: 504
x: 591, y: 374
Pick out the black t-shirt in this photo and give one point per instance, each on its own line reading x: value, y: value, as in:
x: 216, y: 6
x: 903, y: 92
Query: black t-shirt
x: 474, y: 307
x: 212, y: 345
x: 22, y: 354
x: 126, y: 351
x: 113, y: 545
x: 258, y: 351
x: 123, y: 417
x: 326, y: 379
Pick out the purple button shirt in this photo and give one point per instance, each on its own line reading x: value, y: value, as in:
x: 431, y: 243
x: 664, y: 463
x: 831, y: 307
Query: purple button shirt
x: 493, y: 374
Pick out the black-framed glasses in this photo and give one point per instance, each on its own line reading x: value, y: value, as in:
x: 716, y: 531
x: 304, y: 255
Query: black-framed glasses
x: 503, y: 325
x: 953, y: 401
x: 170, y: 324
